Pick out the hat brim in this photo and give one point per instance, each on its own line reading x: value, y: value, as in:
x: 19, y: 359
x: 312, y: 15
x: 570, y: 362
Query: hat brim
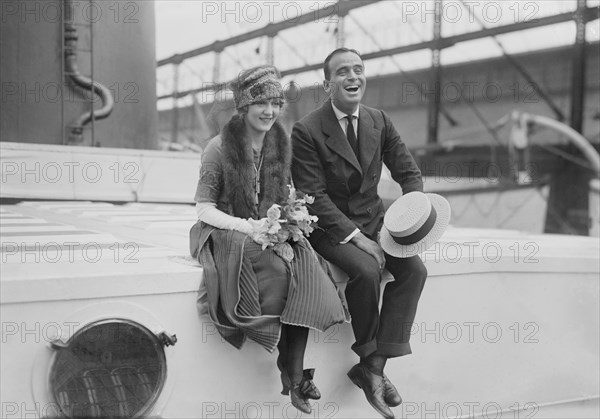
x: 442, y: 208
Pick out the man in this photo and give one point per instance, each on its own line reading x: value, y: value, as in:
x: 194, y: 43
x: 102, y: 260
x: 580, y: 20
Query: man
x: 339, y: 163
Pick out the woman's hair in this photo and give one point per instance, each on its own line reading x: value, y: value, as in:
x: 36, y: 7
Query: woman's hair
x: 244, y: 109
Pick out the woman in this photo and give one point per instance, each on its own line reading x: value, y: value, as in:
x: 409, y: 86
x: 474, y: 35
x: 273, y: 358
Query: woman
x: 252, y: 292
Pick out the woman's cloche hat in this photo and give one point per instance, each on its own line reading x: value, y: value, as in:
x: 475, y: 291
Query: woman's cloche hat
x: 413, y: 223
x: 256, y: 84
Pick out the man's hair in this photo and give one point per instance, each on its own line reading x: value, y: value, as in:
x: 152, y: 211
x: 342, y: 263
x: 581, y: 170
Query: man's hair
x: 326, y: 69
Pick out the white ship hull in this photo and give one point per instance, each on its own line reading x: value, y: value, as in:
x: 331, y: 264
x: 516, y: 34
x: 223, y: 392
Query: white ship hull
x: 508, y: 324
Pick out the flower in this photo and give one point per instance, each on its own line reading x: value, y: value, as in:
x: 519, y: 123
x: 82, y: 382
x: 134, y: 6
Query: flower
x: 274, y: 213
x: 290, y: 222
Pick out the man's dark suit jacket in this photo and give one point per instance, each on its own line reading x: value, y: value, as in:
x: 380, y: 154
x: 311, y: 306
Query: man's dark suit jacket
x: 344, y: 187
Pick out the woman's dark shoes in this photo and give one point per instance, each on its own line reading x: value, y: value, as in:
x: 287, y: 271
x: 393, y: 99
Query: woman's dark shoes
x: 390, y: 394
x: 300, y: 392
x: 308, y: 387
x: 373, y: 385
x: 299, y: 400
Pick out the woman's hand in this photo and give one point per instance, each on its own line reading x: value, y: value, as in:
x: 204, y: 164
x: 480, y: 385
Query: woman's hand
x: 244, y: 226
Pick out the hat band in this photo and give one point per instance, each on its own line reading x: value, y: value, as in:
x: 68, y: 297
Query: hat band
x: 260, y: 92
x: 420, y: 233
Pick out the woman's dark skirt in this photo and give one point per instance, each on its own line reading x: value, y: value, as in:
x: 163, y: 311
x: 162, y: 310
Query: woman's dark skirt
x: 251, y: 291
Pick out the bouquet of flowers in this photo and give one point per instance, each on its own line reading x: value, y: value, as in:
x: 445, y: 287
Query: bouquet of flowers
x: 285, y: 224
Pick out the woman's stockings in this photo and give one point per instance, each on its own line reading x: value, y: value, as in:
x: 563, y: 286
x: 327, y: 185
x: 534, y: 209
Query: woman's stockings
x: 296, y: 338
x: 291, y: 363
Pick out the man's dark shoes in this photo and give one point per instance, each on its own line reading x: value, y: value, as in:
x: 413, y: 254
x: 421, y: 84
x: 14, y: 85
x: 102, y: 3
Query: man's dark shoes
x: 390, y: 394
x: 373, y: 385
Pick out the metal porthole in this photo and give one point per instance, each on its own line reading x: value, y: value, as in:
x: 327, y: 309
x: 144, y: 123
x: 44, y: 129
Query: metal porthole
x: 111, y: 369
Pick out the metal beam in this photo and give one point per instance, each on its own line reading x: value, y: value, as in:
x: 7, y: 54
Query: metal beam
x: 436, y: 78
x: 175, y: 110
x: 271, y: 29
x: 340, y: 34
x: 568, y: 202
x: 270, y: 50
x: 591, y: 13
x: 578, y: 70
x: 536, y: 86
x: 217, y: 67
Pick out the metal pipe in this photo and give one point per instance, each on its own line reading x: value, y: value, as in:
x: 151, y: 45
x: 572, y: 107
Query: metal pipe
x: 72, y: 71
x: 578, y: 140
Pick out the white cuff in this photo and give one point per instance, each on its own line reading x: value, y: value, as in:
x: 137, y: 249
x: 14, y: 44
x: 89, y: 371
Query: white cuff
x: 350, y: 236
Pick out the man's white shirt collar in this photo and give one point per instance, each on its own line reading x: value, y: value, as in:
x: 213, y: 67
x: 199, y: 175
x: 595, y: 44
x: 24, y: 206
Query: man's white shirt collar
x: 339, y: 114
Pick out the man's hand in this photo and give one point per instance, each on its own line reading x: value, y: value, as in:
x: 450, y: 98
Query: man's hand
x: 365, y: 244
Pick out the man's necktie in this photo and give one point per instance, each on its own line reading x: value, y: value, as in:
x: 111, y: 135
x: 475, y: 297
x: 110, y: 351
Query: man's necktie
x: 351, y: 134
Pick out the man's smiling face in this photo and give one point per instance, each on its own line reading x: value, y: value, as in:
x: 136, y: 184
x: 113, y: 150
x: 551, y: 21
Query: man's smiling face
x: 347, y: 82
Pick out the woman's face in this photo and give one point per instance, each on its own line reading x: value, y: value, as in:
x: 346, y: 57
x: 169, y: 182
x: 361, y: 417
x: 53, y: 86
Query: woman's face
x: 262, y: 115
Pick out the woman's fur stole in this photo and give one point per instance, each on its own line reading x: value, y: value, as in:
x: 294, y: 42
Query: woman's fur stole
x: 239, y: 173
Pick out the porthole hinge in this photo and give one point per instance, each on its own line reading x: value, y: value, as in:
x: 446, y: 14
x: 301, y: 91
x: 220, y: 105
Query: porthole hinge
x: 167, y: 339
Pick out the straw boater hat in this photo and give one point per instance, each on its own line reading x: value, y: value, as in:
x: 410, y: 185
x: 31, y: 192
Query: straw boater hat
x: 413, y: 223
